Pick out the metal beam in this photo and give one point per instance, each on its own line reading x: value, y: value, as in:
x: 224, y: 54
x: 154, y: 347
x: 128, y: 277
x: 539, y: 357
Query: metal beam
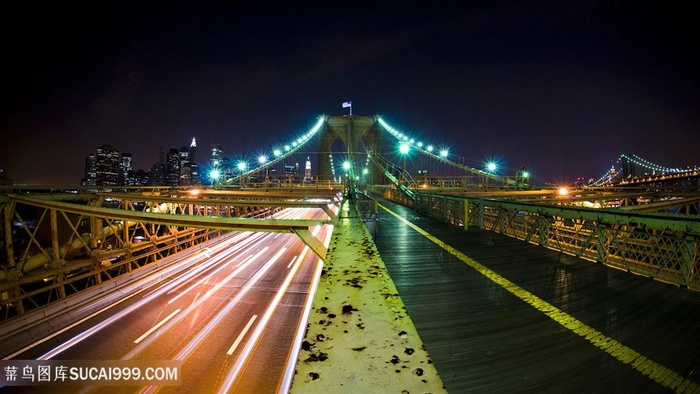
x: 219, y: 223
x: 228, y: 202
x: 312, y: 242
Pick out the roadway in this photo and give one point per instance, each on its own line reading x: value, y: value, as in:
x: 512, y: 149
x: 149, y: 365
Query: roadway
x: 235, y: 312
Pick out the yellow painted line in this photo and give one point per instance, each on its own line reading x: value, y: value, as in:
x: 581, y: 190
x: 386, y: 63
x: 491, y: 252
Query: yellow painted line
x: 655, y: 371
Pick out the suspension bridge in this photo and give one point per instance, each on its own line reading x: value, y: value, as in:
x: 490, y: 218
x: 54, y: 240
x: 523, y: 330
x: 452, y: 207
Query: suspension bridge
x: 69, y: 254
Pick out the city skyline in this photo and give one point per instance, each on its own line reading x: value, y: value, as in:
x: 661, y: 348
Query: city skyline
x: 562, y: 88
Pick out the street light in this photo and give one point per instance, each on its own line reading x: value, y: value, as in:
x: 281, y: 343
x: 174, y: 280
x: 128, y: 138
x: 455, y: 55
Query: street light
x: 241, y: 166
x: 214, y: 175
x: 491, y: 167
x: 404, y: 148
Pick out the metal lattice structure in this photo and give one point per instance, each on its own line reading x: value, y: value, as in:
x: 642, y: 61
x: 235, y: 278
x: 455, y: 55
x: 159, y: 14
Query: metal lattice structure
x: 665, y: 247
x: 58, y: 244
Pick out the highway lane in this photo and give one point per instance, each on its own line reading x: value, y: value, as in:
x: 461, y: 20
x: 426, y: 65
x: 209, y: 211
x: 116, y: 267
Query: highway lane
x: 235, y: 314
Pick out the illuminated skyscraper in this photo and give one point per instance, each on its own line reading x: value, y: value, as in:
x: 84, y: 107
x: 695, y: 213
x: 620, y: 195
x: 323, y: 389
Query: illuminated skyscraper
x: 185, y: 167
x: 107, y: 166
x: 90, y: 178
x: 307, y: 169
x: 217, y: 156
x: 194, y: 166
x: 172, y: 168
x: 125, y: 168
x: 193, y: 151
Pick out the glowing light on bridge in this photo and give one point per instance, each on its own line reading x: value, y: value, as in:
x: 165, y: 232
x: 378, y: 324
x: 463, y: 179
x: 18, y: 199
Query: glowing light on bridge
x: 262, y: 159
x: 491, y: 166
x: 214, y: 175
x: 404, y: 148
x: 242, y: 165
x: 444, y: 153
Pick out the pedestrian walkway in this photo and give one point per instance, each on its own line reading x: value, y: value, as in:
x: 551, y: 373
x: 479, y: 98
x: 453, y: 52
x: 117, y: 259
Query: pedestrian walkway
x: 499, y: 315
x: 359, y: 337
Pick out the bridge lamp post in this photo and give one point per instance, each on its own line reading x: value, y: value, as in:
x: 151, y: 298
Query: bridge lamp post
x: 241, y: 166
x: 346, y: 167
x: 404, y: 148
x: 214, y: 175
x: 491, y: 167
x: 262, y: 159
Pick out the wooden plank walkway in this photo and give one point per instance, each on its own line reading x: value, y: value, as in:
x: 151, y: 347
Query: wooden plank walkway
x: 542, y: 322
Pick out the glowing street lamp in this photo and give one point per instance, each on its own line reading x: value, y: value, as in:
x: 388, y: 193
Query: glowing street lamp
x: 404, y: 148
x: 444, y: 153
x: 262, y: 159
x: 214, y: 175
x: 491, y: 168
x: 346, y: 165
x: 241, y: 166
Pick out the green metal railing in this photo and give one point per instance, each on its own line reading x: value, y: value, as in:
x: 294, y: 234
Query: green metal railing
x: 665, y: 247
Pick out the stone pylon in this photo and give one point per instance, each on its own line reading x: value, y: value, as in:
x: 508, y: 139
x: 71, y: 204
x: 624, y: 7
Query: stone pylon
x: 356, y: 133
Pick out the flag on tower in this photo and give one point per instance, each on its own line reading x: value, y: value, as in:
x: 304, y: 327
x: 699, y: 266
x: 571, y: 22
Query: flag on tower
x: 347, y: 104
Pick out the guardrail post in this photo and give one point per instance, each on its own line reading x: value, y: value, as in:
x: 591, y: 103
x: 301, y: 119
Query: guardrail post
x: 466, y: 214
x: 9, y: 209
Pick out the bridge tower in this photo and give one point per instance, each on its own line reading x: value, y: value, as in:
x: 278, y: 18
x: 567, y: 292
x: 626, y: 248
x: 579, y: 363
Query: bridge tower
x: 353, y: 131
x: 628, y: 168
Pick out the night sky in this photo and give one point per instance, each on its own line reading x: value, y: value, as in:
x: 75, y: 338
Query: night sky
x: 563, y: 87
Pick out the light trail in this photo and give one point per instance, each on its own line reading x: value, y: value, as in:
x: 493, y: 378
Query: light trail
x: 182, y: 355
x: 147, y: 333
x: 193, y: 306
x: 152, y: 295
x: 241, y: 335
x: 242, y: 360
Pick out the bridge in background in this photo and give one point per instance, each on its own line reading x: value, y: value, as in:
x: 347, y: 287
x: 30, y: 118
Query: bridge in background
x: 59, y: 243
